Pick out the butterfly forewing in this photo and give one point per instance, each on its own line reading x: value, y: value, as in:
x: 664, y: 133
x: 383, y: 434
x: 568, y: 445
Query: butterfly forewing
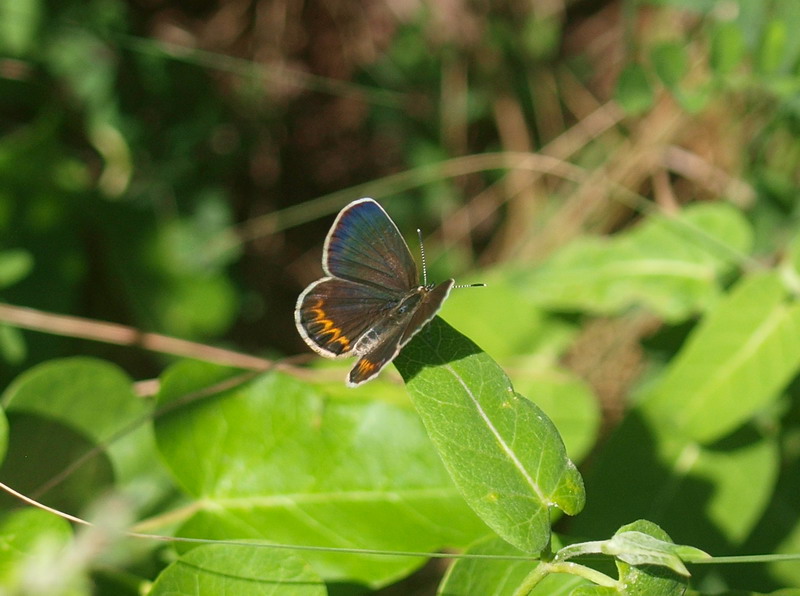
x: 332, y: 314
x: 365, y: 246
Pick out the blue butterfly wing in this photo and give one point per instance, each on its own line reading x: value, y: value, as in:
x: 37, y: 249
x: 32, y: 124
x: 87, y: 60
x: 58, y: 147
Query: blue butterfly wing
x: 365, y: 246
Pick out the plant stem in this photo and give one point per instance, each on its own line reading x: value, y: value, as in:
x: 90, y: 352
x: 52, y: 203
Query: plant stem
x: 543, y: 569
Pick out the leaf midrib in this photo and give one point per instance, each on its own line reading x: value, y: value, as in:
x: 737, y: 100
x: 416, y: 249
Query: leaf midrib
x: 363, y: 496
x: 736, y: 361
x: 644, y: 268
x: 512, y: 456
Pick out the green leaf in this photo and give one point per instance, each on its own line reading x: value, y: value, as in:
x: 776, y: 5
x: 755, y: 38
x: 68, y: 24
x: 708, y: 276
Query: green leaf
x: 515, y: 329
x: 227, y: 569
x: 19, y: 24
x: 486, y: 576
x: 195, y: 306
x: 736, y: 362
x: 541, y: 36
x: 12, y: 344
x: 525, y: 340
x: 727, y: 47
x: 594, y: 591
x: 81, y: 411
x: 67, y: 53
x: 500, y: 577
x: 273, y: 459
x: 30, y: 540
x: 637, y: 548
x: 671, y: 63
x: 633, y: 91
x: 785, y: 572
x: 790, y: 266
x: 713, y: 496
x: 674, y: 266
x: 39, y: 450
x: 774, y: 533
x: 773, y: 47
x: 696, y: 99
x: 14, y: 265
x: 503, y: 453
x: 3, y: 434
x: 642, y: 568
x: 90, y: 396
x: 639, y: 543
x: 72, y: 390
x: 647, y: 562
x: 567, y: 401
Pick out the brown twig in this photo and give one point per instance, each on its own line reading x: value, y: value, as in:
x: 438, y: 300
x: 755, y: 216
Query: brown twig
x: 113, y: 333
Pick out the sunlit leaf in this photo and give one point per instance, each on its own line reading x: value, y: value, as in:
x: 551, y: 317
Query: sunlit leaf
x: 14, y: 265
x: 674, y: 266
x: 644, y: 473
x: 503, y: 453
x: 12, y: 344
x: 637, y: 548
x: 645, y: 569
x: 633, y: 91
x: 19, y: 24
x: 226, y: 569
x: 727, y: 47
x: 568, y: 402
x: 773, y: 46
x: 500, y: 577
x: 738, y: 359
x: 30, y: 539
x: 498, y: 318
x: 3, y: 435
x: 670, y: 61
x: 274, y: 460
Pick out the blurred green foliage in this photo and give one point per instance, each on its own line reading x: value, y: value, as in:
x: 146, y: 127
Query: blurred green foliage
x: 172, y: 167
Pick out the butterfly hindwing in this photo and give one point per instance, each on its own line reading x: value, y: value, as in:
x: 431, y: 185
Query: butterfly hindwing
x: 379, y: 345
x: 378, y: 356
x: 332, y: 314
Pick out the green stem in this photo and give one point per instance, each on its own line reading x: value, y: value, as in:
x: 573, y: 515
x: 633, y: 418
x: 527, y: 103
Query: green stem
x: 534, y: 577
x: 579, y: 548
x: 544, y: 569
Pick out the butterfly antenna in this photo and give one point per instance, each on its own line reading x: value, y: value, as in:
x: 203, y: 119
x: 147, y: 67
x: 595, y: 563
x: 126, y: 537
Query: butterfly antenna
x: 425, y: 268
x: 422, y: 253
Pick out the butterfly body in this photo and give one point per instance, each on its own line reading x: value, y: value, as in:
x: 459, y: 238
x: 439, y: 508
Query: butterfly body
x: 370, y: 303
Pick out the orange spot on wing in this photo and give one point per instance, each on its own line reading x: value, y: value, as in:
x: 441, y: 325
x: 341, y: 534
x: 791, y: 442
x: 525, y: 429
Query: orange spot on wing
x: 328, y: 326
x: 365, y: 366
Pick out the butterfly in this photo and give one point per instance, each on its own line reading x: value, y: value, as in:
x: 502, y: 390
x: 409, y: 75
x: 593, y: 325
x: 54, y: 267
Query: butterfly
x: 370, y: 302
